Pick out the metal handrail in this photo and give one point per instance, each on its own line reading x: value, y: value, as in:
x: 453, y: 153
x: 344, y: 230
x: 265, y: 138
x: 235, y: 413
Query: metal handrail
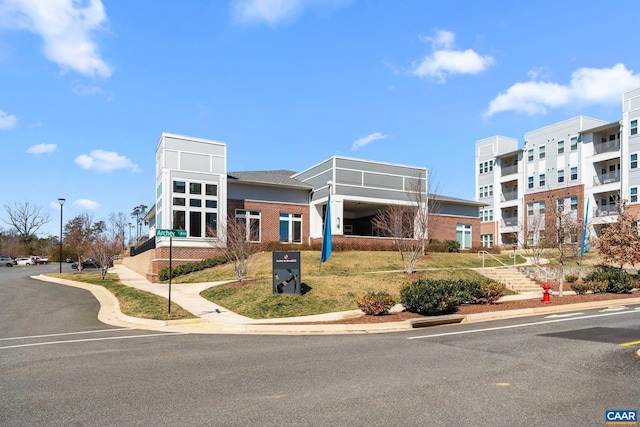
x: 544, y: 270
x: 483, y: 253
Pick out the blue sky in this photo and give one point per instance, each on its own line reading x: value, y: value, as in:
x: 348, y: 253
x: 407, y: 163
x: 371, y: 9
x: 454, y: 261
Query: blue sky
x: 88, y: 86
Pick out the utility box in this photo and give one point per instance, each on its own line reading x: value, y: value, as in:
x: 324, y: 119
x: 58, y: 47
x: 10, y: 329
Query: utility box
x: 286, y: 273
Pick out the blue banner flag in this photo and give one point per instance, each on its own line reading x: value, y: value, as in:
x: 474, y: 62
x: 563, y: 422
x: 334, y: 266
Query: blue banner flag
x: 326, y: 235
x: 584, y: 230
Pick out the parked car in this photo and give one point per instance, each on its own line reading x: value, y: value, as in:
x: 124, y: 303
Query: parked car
x: 39, y: 260
x: 87, y: 263
x: 7, y: 261
x: 24, y: 261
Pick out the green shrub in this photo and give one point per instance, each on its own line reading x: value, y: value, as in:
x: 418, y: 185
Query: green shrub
x: 580, y: 288
x: 452, y: 245
x: 432, y: 297
x: 571, y: 278
x: 489, y: 292
x: 597, y: 286
x: 182, y: 269
x: 618, y: 280
x: 376, y: 304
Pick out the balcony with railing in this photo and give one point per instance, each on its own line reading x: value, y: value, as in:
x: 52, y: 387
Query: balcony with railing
x: 508, y: 170
x: 509, y: 195
x: 509, y: 221
x: 606, y: 146
x: 606, y: 210
x: 606, y: 178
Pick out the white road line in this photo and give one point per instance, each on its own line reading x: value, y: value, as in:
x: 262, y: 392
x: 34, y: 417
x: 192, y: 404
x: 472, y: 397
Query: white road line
x: 91, y: 339
x: 66, y: 333
x: 521, y: 325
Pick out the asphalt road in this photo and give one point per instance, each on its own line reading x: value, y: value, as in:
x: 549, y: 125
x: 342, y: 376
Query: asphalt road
x: 60, y: 366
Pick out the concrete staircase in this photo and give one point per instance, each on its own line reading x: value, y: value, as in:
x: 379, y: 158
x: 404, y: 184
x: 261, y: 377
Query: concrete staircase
x: 512, y: 279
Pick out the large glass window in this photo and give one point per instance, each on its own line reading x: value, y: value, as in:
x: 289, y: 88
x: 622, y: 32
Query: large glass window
x: 290, y: 228
x: 179, y: 220
x: 486, y: 240
x: 250, y: 220
x: 211, y: 189
x: 195, y: 188
x: 634, y: 127
x: 463, y: 235
x: 195, y: 224
x: 179, y: 187
x: 574, y: 203
x: 211, y: 219
x: 179, y: 201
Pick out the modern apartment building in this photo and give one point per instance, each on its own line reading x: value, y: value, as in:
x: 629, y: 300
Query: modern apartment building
x: 196, y: 193
x: 584, y: 166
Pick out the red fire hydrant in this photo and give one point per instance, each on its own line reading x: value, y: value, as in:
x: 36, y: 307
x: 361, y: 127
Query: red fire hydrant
x: 545, y: 296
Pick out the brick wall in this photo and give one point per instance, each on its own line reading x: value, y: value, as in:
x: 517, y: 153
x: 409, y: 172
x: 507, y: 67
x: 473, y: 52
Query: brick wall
x: 445, y: 227
x: 550, y: 198
x: 270, y: 217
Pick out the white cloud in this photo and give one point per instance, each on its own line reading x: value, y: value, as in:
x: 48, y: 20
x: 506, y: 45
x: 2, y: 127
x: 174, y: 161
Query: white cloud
x: 83, y: 90
x: 367, y: 140
x: 105, y: 161
x: 42, y: 148
x: 445, y: 60
x: 587, y: 86
x: 66, y: 28
x: 271, y: 12
x: 274, y: 12
x: 86, y: 204
x: 7, y: 121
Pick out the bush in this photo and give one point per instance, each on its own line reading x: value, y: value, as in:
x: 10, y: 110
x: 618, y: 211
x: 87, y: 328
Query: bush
x: 375, y: 304
x: 488, y: 292
x: 432, y: 297
x: 571, y: 278
x: 597, y: 286
x: 452, y: 245
x: 580, y: 288
x: 618, y: 280
x: 182, y: 269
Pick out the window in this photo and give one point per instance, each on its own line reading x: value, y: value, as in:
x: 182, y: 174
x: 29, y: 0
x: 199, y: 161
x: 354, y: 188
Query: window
x: 530, y: 155
x: 633, y: 195
x: 195, y: 203
x: 490, y: 165
x: 634, y: 127
x: 211, y: 189
x: 574, y: 173
x: 486, y: 240
x: 195, y: 224
x: 542, y: 208
x: 179, y: 187
x: 634, y: 161
x: 560, y: 205
x: 195, y: 188
x: 463, y: 235
x: 543, y: 180
x: 486, y: 167
x: 290, y: 227
x: 529, y: 209
x: 211, y: 204
x: 486, y: 215
x: 541, y: 152
x: 560, y: 175
x: 574, y: 143
x: 530, y: 182
x: 574, y: 203
x: 211, y: 222
x: 480, y: 169
x: 251, y: 222
x: 179, y: 222
x: 491, y: 190
x: 561, y: 146
x: 179, y: 201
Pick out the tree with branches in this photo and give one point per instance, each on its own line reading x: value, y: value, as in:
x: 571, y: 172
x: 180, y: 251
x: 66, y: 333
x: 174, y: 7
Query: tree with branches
x: 79, y: 234
x: 26, y: 219
x: 619, y: 242
x: 139, y: 213
x: 409, y: 225
x: 240, y: 243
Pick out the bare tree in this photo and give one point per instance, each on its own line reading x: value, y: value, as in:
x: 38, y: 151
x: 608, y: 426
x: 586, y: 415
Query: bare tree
x: 117, y: 225
x: 26, y: 219
x: 241, y: 244
x: 567, y: 228
x: 619, y: 242
x: 79, y: 235
x: 408, y: 224
x: 531, y: 236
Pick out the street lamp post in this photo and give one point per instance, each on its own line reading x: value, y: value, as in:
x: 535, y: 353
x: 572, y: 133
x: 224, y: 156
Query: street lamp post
x: 61, y: 201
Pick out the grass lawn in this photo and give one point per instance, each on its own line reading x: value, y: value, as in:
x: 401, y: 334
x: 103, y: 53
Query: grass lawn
x: 133, y: 302
x: 335, y: 285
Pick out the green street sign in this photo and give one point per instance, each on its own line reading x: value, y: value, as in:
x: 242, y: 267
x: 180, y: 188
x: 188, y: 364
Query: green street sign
x: 162, y: 232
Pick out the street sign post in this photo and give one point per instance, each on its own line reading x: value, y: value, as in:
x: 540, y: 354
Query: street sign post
x: 163, y: 232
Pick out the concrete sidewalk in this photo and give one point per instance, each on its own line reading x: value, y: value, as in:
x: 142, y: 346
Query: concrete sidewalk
x: 212, y: 318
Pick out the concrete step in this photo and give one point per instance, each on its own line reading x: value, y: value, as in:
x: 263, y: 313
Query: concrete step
x: 512, y: 279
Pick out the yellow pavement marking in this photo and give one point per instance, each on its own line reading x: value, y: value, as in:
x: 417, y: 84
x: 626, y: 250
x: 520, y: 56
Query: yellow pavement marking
x: 630, y: 343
